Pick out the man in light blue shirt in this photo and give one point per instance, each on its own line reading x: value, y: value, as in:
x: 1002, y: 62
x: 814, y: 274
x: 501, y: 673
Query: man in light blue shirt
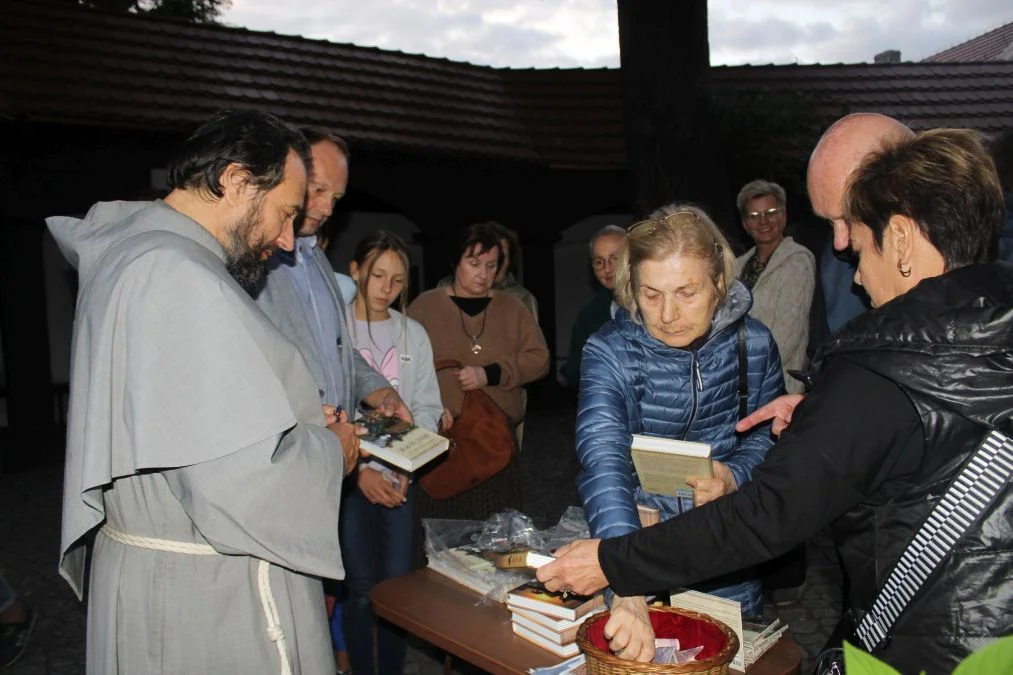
x: 301, y: 296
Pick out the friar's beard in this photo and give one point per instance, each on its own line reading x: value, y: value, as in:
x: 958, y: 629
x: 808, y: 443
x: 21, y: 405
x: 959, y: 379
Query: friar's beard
x: 244, y: 260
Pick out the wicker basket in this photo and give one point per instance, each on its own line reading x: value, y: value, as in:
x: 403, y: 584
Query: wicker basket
x: 712, y: 661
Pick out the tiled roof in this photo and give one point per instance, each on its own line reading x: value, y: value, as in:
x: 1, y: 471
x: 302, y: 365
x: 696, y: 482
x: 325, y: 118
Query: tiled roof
x: 995, y: 45
x: 65, y: 64
x: 922, y: 95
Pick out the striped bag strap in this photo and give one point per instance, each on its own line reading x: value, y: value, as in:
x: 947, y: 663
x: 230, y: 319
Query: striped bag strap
x: 981, y: 480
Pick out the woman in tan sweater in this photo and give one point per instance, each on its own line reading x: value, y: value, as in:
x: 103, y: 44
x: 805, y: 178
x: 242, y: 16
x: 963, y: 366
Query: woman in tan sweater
x: 491, y: 333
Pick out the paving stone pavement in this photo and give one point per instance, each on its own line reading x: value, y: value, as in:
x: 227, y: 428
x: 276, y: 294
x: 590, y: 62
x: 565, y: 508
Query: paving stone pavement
x: 30, y: 502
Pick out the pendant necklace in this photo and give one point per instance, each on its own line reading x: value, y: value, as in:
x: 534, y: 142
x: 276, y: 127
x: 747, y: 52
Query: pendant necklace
x: 476, y: 348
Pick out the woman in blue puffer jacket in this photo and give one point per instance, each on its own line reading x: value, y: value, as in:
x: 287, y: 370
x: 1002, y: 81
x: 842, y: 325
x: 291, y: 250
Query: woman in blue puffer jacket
x: 668, y: 365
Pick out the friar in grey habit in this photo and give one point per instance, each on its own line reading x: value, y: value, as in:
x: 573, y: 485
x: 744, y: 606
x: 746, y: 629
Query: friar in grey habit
x: 197, y: 446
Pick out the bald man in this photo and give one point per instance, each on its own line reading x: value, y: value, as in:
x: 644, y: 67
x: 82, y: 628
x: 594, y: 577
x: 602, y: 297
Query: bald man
x: 837, y: 154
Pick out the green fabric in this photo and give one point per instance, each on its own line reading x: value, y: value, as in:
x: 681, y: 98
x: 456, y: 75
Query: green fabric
x: 592, y: 316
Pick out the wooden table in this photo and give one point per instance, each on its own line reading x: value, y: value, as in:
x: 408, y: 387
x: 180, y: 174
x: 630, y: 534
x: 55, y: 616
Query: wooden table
x: 446, y: 614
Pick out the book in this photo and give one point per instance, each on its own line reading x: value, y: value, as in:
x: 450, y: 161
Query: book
x: 550, y: 622
x: 759, y: 636
x: 648, y: 515
x: 521, y: 560
x: 664, y: 464
x: 562, y: 638
x: 560, y: 650
x: 572, y: 666
x: 465, y: 565
x: 727, y: 612
x: 533, y: 595
x: 400, y: 443
x: 473, y: 568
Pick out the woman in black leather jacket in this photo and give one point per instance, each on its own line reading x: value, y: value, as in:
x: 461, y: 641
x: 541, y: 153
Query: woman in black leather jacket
x: 904, y: 393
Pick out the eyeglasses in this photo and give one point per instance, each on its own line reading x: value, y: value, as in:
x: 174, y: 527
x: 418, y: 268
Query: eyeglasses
x: 601, y: 263
x: 769, y: 214
x: 677, y: 218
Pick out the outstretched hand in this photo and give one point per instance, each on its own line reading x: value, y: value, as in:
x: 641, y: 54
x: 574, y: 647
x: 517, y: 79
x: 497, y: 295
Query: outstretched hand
x: 576, y: 568
x: 780, y: 410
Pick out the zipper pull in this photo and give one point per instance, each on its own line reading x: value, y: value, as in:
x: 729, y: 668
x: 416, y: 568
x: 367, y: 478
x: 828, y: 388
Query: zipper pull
x: 699, y: 376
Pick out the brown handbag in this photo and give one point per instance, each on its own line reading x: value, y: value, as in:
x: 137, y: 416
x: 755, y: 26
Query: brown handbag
x: 482, y: 444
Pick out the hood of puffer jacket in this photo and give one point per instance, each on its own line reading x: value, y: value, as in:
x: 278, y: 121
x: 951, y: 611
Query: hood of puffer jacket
x: 83, y: 241
x: 959, y: 324
x: 736, y: 305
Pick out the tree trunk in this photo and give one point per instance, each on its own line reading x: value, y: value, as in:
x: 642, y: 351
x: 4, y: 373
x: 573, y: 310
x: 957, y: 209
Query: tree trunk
x: 665, y: 55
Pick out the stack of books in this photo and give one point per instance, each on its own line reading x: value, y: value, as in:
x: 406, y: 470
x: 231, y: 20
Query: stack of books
x: 548, y: 619
x: 759, y: 636
x: 478, y: 570
x: 755, y: 634
x: 467, y: 566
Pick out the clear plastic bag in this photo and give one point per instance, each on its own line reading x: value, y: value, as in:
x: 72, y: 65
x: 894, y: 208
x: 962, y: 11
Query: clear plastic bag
x: 462, y: 549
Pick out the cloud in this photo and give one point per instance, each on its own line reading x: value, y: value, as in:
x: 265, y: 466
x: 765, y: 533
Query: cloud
x: 517, y: 33
x: 849, y: 31
x: 584, y: 33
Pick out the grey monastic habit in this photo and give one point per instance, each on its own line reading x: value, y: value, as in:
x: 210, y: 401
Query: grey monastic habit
x: 194, y: 425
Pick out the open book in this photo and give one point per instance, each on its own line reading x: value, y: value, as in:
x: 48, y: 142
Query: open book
x: 664, y: 464
x: 399, y: 443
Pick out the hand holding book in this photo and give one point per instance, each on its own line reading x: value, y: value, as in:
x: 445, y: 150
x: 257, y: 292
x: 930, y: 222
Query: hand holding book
x: 708, y: 489
x: 575, y: 568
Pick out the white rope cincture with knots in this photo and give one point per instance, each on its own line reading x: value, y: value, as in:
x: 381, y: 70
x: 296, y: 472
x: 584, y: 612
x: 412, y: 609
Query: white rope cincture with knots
x: 274, y: 629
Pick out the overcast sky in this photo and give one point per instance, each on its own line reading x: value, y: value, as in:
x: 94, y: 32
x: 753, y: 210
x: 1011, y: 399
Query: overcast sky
x: 583, y: 33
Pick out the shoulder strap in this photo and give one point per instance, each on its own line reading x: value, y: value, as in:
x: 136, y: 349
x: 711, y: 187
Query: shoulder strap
x: 983, y: 477
x: 743, y: 379
x: 443, y: 364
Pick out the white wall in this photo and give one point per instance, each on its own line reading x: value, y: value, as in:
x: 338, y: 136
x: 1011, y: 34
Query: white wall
x: 574, y: 282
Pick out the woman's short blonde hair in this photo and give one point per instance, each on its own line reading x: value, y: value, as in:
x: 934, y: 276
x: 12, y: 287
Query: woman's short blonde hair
x: 676, y: 229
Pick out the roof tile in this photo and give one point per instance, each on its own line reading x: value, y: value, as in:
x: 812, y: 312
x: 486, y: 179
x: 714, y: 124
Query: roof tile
x: 68, y: 64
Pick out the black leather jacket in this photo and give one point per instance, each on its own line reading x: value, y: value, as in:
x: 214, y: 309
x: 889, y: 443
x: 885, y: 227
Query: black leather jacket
x: 907, y: 392
x: 948, y: 345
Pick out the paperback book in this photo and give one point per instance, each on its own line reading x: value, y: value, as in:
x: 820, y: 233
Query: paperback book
x: 552, y: 623
x: 400, y: 443
x: 530, y: 621
x: 727, y: 612
x: 758, y: 636
x: 559, y: 650
x: 521, y: 560
x: 664, y: 464
x: 473, y: 568
x: 648, y: 515
x: 533, y: 595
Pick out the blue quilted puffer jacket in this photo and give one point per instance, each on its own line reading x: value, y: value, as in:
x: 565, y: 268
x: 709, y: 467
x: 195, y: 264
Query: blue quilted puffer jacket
x: 632, y: 383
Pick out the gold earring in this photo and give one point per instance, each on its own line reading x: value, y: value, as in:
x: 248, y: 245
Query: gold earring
x: 900, y: 268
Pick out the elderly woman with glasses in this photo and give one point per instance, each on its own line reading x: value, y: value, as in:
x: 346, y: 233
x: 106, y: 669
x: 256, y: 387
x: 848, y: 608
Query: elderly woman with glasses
x: 780, y: 273
x: 668, y: 365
